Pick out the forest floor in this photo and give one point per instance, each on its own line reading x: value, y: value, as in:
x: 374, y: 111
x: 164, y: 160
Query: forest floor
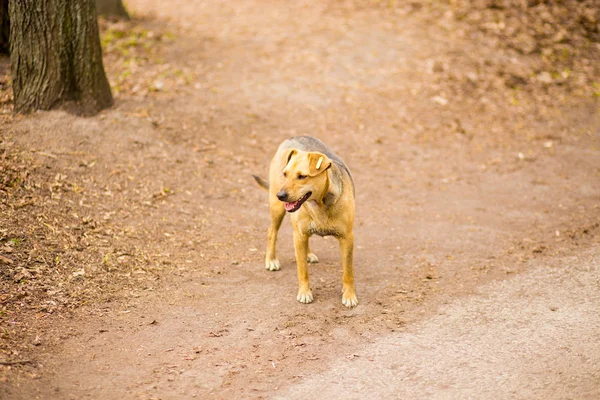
x: 132, y: 243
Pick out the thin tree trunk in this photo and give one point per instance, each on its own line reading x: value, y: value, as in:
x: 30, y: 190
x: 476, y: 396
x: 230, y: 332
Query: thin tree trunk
x: 111, y: 8
x: 56, y: 57
x: 4, y: 27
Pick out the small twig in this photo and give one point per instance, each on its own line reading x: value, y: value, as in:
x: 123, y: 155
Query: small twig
x: 20, y: 362
x: 199, y: 150
x: 72, y: 153
x: 24, y: 204
x: 49, y: 227
x: 43, y: 153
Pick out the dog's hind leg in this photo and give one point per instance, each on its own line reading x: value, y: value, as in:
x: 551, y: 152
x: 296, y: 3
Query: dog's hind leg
x: 277, y: 213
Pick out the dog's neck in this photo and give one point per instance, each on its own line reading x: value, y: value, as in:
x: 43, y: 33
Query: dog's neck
x: 333, y: 187
x: 332, y: 191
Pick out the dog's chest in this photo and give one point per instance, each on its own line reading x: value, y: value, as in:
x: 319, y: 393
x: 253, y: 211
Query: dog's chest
x: 318, y: 222
x: 315, y: 229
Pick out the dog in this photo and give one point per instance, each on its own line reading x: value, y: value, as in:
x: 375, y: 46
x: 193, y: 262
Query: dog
x: 309, y: 181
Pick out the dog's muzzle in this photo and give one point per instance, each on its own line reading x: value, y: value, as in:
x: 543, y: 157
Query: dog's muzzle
x: 293, y: 206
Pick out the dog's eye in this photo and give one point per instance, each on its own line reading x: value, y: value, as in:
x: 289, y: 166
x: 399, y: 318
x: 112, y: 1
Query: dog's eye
x: 284, y: 174
x: 300, y: 177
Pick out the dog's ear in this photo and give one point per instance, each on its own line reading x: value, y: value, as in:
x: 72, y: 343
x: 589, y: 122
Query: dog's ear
x: 287, y: 156
x: 318, y: 162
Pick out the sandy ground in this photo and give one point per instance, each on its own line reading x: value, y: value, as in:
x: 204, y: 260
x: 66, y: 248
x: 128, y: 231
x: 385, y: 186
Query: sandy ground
x: 478, y: 212
x: 511, y: 340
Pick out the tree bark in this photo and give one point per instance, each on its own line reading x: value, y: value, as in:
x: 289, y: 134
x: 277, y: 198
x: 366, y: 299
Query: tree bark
x: 111, y: 8
x: 4, y: 27
x: 56, y: 59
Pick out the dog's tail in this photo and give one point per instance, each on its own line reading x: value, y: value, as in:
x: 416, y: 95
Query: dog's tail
x: 261, y: 182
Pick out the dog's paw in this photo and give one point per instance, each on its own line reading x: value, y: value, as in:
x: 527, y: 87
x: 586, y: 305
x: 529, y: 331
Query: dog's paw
x: 312, y: 258
x: 273, y: 265
x: 349, y: 298
x: 305, y: 296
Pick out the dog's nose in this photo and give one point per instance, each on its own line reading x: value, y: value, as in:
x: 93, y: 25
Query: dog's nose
x: 282, y: 195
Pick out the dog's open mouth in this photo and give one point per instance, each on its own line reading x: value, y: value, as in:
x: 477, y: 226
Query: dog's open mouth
x: 295, y: 205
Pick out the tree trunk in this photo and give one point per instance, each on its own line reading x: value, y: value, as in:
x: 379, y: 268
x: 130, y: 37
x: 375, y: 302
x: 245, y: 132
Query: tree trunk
x: 4, y: 27
x: 56, y: 57
x: 111, y: 8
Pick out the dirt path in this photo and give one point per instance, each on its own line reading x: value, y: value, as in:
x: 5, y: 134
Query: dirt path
x: 509, y: 341
x: 466, y: 189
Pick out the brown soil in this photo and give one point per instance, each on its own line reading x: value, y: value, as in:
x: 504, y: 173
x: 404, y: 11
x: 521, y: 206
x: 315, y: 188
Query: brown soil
x: 132, y: 243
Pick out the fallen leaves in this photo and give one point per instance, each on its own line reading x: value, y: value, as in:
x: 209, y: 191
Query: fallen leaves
x: 22, y: 275
x: 5, y: 260
x: 557, y: 36
x: 134, y: 59
x: 219, y: 333
x: 16, y: 362
x: 57, y: 251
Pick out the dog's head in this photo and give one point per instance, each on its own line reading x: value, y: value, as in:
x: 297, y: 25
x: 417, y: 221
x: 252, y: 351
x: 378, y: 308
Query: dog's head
x: 302, y: 177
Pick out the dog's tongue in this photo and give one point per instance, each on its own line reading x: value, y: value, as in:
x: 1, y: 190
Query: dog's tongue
x: 290, y: 206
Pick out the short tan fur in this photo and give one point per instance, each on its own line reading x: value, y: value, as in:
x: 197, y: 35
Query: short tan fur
x: 308, y: 180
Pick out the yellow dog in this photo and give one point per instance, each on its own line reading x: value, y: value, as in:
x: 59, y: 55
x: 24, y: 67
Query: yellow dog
x: 311, y: 182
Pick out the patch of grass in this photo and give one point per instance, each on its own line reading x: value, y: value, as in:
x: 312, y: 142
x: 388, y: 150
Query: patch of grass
x: 596, y: 89
x: 134, y: 58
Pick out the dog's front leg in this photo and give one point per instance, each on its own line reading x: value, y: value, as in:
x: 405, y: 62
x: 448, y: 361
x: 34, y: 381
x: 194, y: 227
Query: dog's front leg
x: 301, y: 249
x: 277, y: 214
x: 349, y: 298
